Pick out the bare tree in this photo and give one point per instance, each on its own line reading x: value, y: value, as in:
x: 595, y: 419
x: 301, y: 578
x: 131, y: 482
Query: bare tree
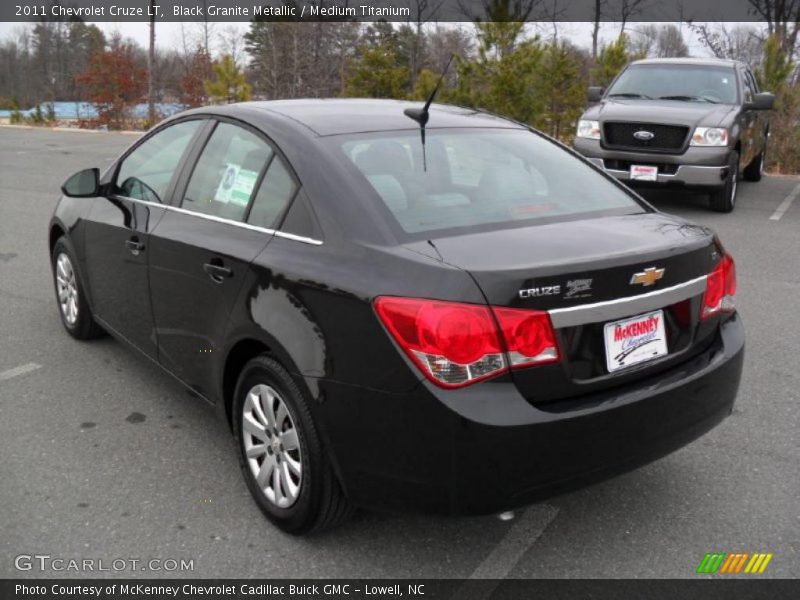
x: 425, y: 11
x: 629, y: 9
x: 231, y: 42
x: 660, y: 42
x: 670, y: 42
x: 644, y: 40
x: 739, y: 43
x: 151, y: 65
x: 207, y: 29
x: 783, y: 21
x: 599, y: 6
x: 552, y: 11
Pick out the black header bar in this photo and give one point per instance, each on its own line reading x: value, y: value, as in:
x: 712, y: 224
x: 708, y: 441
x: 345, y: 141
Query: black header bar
x: 374, y: 10
x: 740, y: 588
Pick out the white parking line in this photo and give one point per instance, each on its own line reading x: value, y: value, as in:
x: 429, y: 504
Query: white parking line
x: 787, y: 202
x: 16, y: 371
x: 521, y: 536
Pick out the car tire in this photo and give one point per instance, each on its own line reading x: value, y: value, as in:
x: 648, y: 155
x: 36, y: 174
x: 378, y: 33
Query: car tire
x: 305, y: 495
x: 723, y: 199
x: 73, y: 308
x: 755, y: 170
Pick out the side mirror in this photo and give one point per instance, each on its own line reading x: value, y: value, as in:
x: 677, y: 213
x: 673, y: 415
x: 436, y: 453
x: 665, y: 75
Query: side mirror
x: 595, y: 93
x: 762, y: 101
x: 84, y: 184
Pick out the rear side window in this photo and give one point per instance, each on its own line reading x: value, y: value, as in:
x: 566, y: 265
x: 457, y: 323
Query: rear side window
x: 227, y: 172
x: 274, y: 195
x: 478, y: 178
x: 145, y: 174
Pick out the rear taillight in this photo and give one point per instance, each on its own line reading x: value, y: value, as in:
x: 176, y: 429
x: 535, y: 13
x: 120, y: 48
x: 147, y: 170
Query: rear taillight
x: 720, y: 289
x: 457, y: 344
x: 529, y: 336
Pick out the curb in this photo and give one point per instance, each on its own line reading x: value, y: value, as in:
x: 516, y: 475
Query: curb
x: 69, y: 129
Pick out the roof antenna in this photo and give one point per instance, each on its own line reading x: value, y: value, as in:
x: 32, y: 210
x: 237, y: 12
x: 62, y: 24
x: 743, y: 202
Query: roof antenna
x: 420, y: 115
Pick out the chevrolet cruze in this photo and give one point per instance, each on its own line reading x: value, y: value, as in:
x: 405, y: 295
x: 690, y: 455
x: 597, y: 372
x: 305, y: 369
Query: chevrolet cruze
x: 399, y: 308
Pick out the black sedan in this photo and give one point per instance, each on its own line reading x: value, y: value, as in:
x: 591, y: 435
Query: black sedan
x: 459, y: 317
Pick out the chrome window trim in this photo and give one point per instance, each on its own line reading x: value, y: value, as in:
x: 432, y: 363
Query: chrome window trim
x: 624, y: 307
x: 281, y: 234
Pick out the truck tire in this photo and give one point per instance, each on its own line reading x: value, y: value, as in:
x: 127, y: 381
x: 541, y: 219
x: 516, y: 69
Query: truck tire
x: 723, y: 199
x: 755, y: 169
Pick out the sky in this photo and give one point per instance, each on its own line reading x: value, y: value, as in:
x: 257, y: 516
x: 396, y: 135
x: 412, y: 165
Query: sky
x: 169, y: 35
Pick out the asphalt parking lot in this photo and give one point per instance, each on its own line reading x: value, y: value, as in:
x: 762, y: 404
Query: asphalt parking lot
x: 104, y: 456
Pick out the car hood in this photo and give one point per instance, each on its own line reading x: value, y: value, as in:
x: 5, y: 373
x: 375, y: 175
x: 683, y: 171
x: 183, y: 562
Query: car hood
x: 668, y: 112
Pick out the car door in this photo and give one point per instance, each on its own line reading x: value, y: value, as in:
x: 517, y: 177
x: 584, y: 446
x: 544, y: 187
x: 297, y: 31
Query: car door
x: 760, y: 117
x: 749, y: 121
x: 201, y: 250
x: 118, y: 229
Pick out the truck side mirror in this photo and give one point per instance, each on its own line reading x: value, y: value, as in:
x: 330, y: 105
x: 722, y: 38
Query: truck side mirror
x: 762, y: 101
x: 595, y: 93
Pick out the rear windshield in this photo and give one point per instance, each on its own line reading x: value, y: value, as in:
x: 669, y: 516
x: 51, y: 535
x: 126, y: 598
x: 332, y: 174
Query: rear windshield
x: 689, y: 83
x: 479, y: 179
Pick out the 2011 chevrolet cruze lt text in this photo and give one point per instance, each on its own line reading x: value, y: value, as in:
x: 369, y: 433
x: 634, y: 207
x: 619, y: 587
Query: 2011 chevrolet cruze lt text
x: 401, y: 308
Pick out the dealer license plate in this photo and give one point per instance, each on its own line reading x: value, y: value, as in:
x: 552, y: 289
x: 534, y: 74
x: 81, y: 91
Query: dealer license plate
x: 635, y: 340
x: 644, y: 173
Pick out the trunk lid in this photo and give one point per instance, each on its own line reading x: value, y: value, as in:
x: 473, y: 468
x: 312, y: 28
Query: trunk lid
x: 581, y: 271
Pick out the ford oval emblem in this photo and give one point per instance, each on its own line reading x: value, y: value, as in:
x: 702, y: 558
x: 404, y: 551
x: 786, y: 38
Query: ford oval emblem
x: 644, y: 135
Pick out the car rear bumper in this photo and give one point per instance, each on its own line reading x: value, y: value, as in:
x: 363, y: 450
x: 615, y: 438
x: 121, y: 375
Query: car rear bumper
x: 697, y: 167
x: 485, y: 449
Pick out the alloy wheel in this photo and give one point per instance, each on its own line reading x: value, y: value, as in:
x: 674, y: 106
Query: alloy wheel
x: 272, y: 446
x: 67, y: 288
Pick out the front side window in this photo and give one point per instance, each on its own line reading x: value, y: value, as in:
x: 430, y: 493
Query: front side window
x: 688, y: 83
x: 145, y: 174
x: 751, y: 83
x: 226, y: 174
x: 478, y: 178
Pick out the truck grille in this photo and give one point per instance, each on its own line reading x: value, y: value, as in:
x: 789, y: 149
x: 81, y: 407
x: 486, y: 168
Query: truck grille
x: 666, y: 138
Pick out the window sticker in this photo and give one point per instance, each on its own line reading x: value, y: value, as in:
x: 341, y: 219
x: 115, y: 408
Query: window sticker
x: 236, y: 186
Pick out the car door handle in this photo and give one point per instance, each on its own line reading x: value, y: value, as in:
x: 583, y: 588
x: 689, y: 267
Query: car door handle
x: 134, y: 245
x: 217, y: 272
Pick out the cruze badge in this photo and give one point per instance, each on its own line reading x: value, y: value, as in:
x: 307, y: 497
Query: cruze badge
x: 647, y: 277
x: 537, y: 292
x: 644, y: 135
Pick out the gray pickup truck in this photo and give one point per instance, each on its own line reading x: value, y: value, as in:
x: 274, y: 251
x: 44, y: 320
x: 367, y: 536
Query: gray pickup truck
x: 679, y: 122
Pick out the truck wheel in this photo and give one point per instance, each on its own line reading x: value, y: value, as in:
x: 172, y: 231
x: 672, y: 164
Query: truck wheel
x: 723, y: 199
x: 755, y: 169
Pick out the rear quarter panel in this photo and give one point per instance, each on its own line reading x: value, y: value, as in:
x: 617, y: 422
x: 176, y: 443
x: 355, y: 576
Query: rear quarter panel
x: 312, y: 305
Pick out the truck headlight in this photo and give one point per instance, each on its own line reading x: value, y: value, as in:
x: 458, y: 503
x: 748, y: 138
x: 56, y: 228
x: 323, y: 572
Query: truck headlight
x: 710, y: 136
x: 589, y: 129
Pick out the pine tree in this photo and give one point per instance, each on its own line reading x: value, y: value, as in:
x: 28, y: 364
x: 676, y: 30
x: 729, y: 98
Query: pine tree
x: 613, y: 57
x: 375, y: 74
x: 229, y: 83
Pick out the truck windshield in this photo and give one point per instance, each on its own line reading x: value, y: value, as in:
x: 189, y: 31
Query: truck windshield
x: 687, y: 83
x: 477, y: 178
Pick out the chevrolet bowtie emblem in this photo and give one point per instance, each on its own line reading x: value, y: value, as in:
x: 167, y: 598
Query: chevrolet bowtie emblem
x: 647, y: 277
